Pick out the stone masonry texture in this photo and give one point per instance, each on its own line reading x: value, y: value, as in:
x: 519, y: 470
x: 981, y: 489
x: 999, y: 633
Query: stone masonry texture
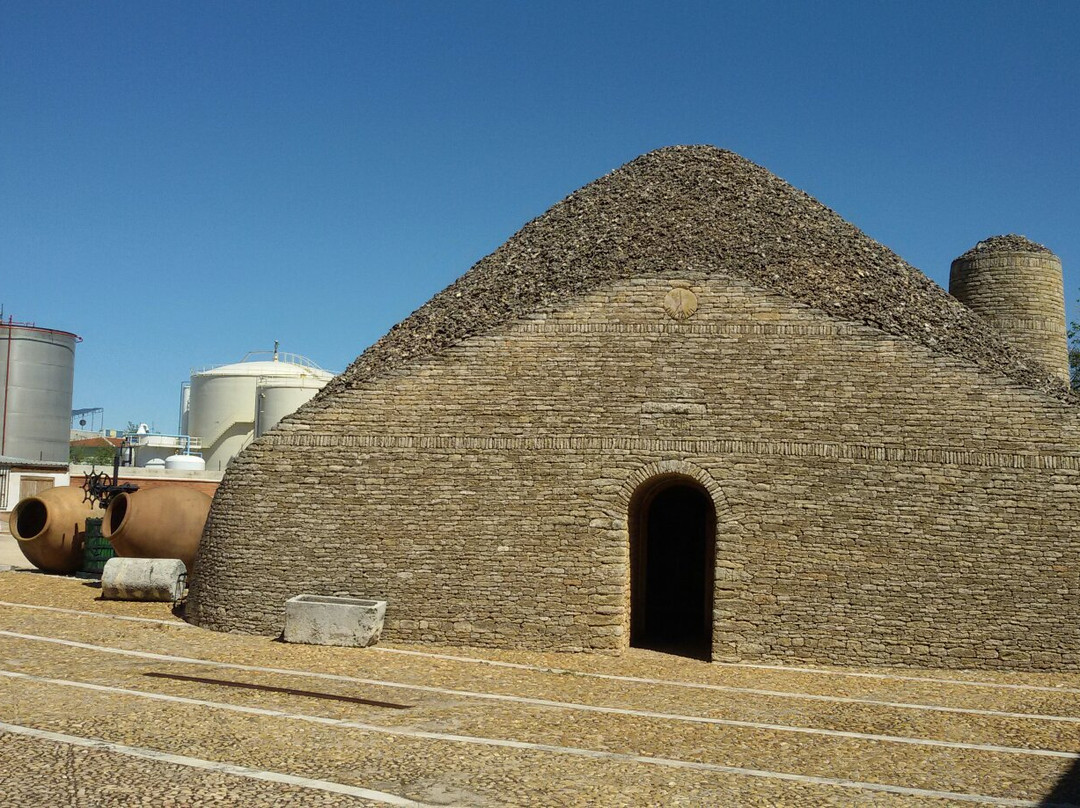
x: 893, y: 483
x: 1016, y: 285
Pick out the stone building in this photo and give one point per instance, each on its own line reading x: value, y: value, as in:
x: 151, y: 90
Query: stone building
x: 688, y: 408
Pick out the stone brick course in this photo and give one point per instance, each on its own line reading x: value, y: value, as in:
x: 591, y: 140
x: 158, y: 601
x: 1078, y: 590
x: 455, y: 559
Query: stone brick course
x: 878, y: 501
x: 1020, y: 293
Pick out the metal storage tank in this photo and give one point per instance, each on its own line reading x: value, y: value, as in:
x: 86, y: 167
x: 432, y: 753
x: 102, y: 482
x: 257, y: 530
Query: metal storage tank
x: 38, y: 372
x: 185, y: 407
x: 276, y: 397
x: 222, y: 401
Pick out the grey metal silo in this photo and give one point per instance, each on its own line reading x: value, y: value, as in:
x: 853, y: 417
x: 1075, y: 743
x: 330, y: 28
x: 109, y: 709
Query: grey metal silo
x: 37, y: 373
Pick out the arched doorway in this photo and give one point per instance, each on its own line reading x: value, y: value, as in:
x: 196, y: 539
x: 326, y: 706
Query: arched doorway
x: 672, y: 549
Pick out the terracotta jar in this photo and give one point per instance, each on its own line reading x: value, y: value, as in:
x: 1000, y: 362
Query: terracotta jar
x: 50, y: 528
x: 162, y: 522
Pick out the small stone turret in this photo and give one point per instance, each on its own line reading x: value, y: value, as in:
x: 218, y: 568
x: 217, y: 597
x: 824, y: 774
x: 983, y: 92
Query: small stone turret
x: 1016, y: 285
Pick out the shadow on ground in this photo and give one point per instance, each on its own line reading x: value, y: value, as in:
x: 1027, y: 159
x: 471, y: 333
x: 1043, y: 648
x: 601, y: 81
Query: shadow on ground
x: 1067, y: 790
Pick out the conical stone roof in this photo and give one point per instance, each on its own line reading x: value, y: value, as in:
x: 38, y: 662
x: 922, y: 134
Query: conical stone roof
x: 703, y: 210
x: 1007, y: 243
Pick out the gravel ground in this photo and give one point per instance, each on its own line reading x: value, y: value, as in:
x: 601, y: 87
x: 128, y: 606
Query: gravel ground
x: 39, y: 773
x: 424, y: 765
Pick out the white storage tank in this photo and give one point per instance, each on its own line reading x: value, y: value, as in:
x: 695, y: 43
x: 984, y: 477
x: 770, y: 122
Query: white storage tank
x: 185, y: 407
x: 277, y: 397
x: 185, y: 462
x: 222, y: 402
x: 37, y: 373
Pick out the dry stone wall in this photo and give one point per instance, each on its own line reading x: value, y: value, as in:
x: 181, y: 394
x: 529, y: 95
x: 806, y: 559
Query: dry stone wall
x: 877, y: 502
x: 1020, y: 293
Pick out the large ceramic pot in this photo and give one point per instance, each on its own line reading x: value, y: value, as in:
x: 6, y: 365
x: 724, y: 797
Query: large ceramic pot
x: 50, y: 528
x: 162, y: 522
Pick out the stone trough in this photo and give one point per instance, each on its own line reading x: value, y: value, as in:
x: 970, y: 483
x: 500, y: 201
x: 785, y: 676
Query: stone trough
x: 326, y: 620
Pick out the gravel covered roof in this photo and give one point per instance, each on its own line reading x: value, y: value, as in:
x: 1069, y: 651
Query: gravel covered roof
x: 1008, y: 243
x: 696, y: 209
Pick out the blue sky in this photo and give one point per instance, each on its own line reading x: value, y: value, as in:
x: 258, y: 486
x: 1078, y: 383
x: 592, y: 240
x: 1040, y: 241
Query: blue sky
x: 181, y: 183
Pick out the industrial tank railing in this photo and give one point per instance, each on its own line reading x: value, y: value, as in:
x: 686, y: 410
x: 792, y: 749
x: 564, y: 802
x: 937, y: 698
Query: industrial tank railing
x: 275, y: 356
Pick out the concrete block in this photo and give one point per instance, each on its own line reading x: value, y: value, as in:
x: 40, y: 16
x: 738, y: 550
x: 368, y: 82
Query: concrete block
x: 325, y: 620
x: 161, y: 579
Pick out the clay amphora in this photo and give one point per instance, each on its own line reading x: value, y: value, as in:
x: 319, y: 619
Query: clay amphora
x: 162, y: 522
x: 50, y: 528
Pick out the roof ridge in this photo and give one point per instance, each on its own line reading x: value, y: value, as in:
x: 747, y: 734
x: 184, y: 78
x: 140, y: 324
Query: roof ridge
x: 702, y: 209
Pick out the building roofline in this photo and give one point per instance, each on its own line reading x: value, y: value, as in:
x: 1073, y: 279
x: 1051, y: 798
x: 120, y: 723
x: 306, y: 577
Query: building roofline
x: 704, y: 211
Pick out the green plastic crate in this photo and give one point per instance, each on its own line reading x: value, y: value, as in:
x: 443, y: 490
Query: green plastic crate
x: 96, y: 549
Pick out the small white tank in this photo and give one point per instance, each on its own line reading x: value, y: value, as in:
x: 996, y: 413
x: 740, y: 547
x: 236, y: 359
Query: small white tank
x: 276, y: 398
x: 155, y: 463
x: 183, y: 462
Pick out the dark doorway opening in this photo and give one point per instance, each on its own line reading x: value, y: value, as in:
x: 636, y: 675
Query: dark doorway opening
x: 672, y: 549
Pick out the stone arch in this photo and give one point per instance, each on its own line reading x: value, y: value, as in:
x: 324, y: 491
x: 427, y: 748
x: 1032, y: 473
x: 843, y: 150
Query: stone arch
x: 683, y: 468
x: 728, y: 553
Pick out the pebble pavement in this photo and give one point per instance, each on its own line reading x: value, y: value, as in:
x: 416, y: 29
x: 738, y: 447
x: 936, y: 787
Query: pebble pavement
x: 89, y: 704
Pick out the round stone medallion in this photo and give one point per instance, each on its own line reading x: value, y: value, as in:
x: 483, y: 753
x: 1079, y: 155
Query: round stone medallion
x: 680, y: 304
